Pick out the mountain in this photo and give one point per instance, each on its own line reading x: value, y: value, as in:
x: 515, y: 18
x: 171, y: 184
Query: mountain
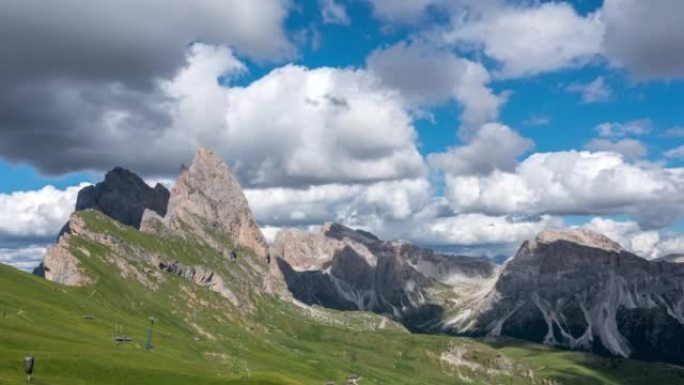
x: 573, y: 289
x: 123, y: 196
x: 580, y: 290
x: 224, y: 315
x: 349, y: 269
x: 208, y: 199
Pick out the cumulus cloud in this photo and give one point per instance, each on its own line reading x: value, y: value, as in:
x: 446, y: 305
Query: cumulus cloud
x: 649, y: 244
x: 427, y: 76
x: 38, y: 214
x: 572, y: 182
x: 593, y: 92
x: 357, y: 203
x: 293, y: 126
x: 322, y: 125
x: 334, y: 13
x: 530, y: 39
x: 80, y: 75
x: 629, y: 148
x: 393, y: 210
x: 494, y: 147
x: 477, y: 229
x: 647, y: 37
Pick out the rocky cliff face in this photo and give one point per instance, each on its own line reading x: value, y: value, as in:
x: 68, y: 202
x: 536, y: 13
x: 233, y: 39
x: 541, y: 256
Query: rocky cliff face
x: 124, y: 197
x: 349, y: 269
x: 60, y: 265
x: 208, y: 200
x: 581, y: 290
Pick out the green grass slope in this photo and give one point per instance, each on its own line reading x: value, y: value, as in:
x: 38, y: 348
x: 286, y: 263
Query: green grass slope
x: 201, y: 338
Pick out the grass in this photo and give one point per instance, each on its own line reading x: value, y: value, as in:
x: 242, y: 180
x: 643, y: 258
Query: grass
x: 199, y: 337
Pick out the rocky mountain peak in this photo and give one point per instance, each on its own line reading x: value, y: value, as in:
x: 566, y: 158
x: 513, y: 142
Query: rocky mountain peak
x: 208, y: 199
x: 338, y: 231
x: 123, y: 196
x: 582, y: 237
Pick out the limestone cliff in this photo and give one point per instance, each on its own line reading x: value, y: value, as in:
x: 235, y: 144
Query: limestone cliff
x: 581, y: 290
x: 208, y: 200
x: 354, y: 270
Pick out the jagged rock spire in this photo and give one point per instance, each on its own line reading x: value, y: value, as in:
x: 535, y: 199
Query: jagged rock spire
x: 208, y: 199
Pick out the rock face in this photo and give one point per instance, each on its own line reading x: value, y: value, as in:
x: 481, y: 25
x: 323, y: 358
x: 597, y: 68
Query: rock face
x: 349, y: 269
x: 208, y: 199
x: 581, y: 290
x: 60, y: 265
x: 124, y: 197
x: 201, y: 276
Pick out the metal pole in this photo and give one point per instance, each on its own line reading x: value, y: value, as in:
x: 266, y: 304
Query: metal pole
x: 148, y: 342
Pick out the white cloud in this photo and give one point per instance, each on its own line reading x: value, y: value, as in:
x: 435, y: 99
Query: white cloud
x: 618, y: 130
x: 594, y: 92
x: 645, y: 243
x: 494, y: 147
x: 404, y: 11
x: 36, y: 214
x: 477, y: 229
x: 628, y: 235
x: 647, y: 37
x: 675, y: 153
x: 427, y: 76
x: 630, y: 148
x: 320, y: 125
x: 392, y: 210
x: 532, y: 39
x: 674, y: 244
x: 294, y: 126
x: 573, y: 182
x: 24, y: 258
x: 334, y: 13
x: 355, y: 203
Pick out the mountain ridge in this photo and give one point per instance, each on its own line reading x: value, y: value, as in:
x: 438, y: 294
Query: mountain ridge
x: 530, y: 296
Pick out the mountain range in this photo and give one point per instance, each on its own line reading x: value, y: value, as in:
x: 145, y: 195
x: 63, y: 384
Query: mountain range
x: 195, y: 257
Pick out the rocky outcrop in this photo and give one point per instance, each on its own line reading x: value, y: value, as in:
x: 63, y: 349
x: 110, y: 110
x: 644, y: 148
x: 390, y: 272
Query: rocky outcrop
x: 350, y: 269
x: 124, y: 197
x: 208, y: 200
x: 201, y: 276
x: 60, y: 265
x: 581, y: 290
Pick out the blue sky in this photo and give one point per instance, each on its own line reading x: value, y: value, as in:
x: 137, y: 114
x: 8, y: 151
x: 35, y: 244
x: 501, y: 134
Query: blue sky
x: 529, y: 105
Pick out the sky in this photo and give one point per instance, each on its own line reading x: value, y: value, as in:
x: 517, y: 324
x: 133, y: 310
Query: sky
x: 463, y: 125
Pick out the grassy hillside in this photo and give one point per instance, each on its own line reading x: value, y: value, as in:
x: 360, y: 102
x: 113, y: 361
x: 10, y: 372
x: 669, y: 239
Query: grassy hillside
x: 200, y: 337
